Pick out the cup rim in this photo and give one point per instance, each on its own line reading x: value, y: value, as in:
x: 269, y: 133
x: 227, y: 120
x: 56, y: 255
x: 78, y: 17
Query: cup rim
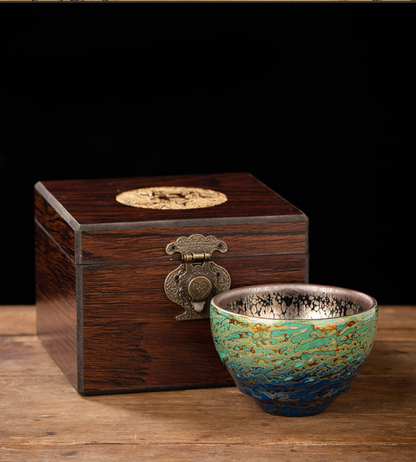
x: 359, y: 297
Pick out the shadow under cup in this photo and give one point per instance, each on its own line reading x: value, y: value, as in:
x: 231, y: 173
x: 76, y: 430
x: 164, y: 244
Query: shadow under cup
x: 293, y: 347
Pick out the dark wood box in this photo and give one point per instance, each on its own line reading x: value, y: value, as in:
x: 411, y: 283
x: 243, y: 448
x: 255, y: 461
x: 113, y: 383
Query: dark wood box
x: 102, y: 311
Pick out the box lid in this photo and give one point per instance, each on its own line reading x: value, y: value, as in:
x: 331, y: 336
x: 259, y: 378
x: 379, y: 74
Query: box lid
x: 94, y: 212
x: 92, y: 204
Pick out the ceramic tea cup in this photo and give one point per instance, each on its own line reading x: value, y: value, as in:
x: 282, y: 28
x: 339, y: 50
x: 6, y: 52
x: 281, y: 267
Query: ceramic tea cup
x: 293, y: 347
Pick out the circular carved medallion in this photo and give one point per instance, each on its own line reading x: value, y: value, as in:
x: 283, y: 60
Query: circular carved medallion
x: 171, y: 198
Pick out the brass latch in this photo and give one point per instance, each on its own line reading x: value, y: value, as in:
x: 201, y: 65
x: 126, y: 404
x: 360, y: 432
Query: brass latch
x: 198, y: 278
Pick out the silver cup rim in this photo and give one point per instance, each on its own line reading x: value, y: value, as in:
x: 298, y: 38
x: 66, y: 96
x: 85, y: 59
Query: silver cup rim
x: 366, y: 301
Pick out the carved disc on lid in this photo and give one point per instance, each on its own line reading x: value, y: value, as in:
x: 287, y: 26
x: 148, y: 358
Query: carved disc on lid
x: 171, y: 198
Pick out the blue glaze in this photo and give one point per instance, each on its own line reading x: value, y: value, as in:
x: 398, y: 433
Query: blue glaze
x: 293, y: 367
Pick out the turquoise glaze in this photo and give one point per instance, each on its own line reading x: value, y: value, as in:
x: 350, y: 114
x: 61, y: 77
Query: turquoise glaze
x: 293, y: 367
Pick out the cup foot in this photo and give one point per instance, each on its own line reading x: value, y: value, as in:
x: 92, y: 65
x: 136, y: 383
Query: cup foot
x: 294, y: 410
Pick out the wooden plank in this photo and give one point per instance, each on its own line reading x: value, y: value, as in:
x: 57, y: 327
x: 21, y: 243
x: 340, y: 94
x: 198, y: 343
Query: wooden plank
x: 398, y: 316
x: 17, y: 320
x: 180, y: 452
x: 396, y: 323
x: 371, y: 412
x: 392, y: 322
x: 391, y: 359
x: 43, y: 418
x: 24, y: 356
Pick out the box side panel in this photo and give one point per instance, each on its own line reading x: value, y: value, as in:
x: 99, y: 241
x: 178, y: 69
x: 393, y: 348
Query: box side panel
x: 132, y: 340
x: 53, y: 223
x: 286, y: 237
x: 56, y: 317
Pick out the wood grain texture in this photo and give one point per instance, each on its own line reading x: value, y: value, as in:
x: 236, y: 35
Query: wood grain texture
x: 58, y: 229
x: 56, y: 304
x: 92, y: 202
x: 17, y: 320
x: 242, y: 240
x: 132, y: 339
x: 43, y: 418
x: 116, y: 330
x: 203, y: 452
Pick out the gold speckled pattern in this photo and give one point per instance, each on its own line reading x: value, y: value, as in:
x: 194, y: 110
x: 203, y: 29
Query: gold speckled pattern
x: 298, y: 366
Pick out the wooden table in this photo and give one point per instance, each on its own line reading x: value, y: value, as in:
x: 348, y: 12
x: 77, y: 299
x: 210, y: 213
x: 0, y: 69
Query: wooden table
x: 42, y: 418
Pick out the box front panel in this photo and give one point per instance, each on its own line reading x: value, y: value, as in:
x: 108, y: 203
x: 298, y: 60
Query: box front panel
x: 285, y: 237
x: 132, y: 340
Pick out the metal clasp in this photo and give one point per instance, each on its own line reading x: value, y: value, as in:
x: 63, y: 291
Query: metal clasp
x: 198, y: 278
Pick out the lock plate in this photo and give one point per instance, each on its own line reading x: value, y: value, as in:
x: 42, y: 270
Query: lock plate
x: 193, y: 284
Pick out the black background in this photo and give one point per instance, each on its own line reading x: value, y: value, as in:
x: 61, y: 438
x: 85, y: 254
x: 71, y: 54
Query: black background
x: 319, y: 105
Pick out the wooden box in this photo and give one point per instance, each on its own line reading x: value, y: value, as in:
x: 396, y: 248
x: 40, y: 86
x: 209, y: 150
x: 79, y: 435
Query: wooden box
x: 102, y: 268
